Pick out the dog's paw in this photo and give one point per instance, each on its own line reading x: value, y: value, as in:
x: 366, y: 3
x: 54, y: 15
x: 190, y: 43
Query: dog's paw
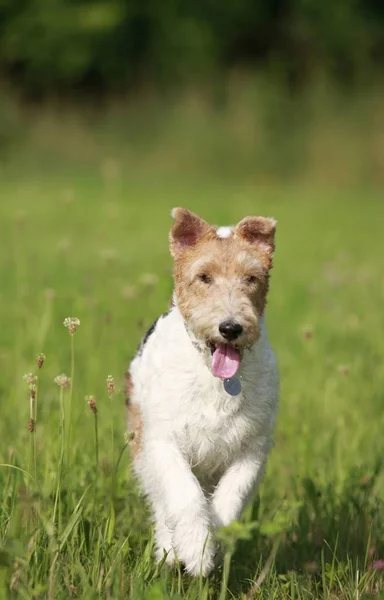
x: 194, y: 546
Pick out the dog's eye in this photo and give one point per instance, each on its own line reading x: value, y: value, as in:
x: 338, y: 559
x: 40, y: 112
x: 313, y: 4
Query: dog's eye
x: 205, y: 278
x: 251, y: 279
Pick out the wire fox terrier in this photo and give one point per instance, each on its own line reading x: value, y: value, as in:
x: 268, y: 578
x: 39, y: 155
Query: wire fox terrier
x: 203, y: 387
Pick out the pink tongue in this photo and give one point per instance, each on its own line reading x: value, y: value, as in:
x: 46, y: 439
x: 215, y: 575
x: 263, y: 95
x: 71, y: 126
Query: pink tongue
x: 225, y: 361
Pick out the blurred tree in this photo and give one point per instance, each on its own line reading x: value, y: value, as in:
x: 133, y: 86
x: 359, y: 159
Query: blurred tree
x: 59, y: 44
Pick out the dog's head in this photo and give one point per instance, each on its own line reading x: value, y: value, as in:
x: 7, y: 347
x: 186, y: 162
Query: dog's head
x: 221, y: 282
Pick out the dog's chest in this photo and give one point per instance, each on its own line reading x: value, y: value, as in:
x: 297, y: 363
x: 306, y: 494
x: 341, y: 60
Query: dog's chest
x: 214, y: 432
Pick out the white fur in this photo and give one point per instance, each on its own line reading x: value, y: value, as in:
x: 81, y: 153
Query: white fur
x: 203, y: 451
x: 225, y: 231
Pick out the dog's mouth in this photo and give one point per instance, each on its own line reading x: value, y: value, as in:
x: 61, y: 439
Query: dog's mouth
x: 225, y: 360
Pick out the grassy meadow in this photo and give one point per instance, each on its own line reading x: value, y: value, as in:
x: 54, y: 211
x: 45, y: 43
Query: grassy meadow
x: 91, y: 242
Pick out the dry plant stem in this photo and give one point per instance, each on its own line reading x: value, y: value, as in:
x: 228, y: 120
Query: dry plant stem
x: 32, y: 426
x: 112, y: 447
x: 61, y: 459
x: 112, y: 510
x: 31, y: 458
x: 31, y: 439
x: 97, y: 444
x: 34, y: 417
x: 69, y: 424
x: 264, y: 571
x: 97, y: 466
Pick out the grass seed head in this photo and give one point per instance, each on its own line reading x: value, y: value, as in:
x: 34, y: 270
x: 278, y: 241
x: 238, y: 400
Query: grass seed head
x: 91, y: 401
x: 63, y: 380
x: 30, y: 379
x: 110, y: 385
x: 71, y: 323
x: 40, y: 360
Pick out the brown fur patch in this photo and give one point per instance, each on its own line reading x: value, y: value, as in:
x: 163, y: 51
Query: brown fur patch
x: 260, y: 233
x: 187, y: 229
x: 134, y: 419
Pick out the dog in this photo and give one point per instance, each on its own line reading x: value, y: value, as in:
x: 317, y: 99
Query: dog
x: 202, y: 390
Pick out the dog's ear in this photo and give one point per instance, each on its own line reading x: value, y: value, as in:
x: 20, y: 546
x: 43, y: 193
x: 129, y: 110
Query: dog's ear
x: 259, y: 231
x: 186, y: 230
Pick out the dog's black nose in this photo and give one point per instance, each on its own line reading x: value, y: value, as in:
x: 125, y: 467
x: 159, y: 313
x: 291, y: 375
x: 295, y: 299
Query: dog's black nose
x: 230, y: 330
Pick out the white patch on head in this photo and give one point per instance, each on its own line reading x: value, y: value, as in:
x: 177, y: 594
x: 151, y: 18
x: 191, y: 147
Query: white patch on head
x: 224, y: 232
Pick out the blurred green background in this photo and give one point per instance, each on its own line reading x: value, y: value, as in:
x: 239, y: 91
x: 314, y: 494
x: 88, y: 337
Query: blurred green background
x: 51, y: 45
x: 268, y: 89
x: 111, y: 113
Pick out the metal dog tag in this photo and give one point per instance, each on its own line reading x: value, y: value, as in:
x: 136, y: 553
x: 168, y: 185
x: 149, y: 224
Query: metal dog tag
x: 232, y: 386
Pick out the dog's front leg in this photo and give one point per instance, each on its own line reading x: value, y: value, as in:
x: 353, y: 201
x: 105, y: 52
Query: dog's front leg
x: 236, y: 485
x: 173, y: 485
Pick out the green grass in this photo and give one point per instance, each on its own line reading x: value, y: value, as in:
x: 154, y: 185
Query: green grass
x: 95, y: 247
